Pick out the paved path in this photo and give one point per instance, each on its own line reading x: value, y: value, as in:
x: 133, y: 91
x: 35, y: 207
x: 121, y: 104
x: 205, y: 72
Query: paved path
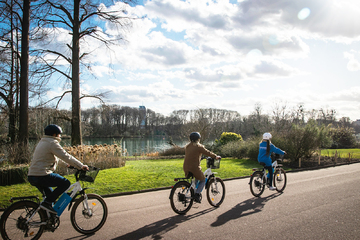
x: 317, y: 204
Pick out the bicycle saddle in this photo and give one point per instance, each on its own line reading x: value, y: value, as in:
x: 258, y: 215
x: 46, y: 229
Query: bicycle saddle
x: 190, y: 175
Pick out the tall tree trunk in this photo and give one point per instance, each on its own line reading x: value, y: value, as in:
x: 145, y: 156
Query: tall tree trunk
x: 76, y: 110
x: 12, y: 115
x: 24, y: 78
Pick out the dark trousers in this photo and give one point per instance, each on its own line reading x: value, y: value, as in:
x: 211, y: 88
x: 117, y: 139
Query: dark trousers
x: 46, y: 183
x: 270, y: 174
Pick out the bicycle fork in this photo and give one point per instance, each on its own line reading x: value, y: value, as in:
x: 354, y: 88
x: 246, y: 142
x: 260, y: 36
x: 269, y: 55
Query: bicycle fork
x: 88, y: 211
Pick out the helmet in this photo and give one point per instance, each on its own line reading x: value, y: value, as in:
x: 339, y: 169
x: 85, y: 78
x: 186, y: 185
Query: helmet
x: 267, y: 136
x: 194, y: 136
x: 52, y: 129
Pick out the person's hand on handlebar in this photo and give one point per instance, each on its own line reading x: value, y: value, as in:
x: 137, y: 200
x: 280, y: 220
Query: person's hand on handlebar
x: 85, y: 168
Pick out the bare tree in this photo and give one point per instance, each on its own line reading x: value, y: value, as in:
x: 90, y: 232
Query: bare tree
x: 16, y: 71
x: 76, y: 17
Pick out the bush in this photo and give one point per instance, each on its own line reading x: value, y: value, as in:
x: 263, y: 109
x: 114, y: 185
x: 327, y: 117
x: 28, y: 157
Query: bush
x: 241, y: 149
x: 343, y: 137
x: 227, y: 137
x: 13, y: 175
x: 302, y: 141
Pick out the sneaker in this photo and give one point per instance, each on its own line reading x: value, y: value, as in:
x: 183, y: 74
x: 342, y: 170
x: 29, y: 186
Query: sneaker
x: 47, y: 206
x: 197, y: 197
x: 272, y: 188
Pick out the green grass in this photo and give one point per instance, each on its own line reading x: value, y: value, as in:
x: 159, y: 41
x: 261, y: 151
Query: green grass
x: 137, y: 175
x: 342, y: 153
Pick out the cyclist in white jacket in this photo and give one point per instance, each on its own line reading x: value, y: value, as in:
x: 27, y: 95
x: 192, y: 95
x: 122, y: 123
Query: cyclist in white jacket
x: 47, y: 155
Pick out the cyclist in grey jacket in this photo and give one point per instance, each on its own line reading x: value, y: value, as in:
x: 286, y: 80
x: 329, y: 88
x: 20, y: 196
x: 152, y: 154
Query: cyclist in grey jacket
x: 47, y: 155
x: 265, y: 150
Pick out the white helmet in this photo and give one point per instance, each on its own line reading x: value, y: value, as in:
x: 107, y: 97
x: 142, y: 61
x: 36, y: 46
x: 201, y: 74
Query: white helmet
x: 267, y: 136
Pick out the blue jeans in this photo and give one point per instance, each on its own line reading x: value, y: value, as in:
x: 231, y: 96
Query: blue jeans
x: 47, y: 182
x: 199, y: 186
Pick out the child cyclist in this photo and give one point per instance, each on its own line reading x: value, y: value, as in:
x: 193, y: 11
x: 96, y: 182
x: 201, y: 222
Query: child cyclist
x: 43, y: 164
x: 265, y: 150
x: 193, y: 153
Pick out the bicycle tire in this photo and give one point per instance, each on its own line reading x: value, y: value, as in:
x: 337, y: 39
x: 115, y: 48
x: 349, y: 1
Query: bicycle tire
x: 13, y: 221
x: 215, y: 192
x: 85, y: 222
x: 256, y: 184
x: 280, y: 179
x: 181, y: 200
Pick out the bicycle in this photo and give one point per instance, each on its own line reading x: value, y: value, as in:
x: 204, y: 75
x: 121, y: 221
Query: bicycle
x: 259, y: 180
x: 182, y: 193
x: 26, y: 219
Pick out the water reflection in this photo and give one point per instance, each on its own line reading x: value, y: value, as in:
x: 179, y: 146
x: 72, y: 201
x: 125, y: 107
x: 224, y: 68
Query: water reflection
x: 132, y: 145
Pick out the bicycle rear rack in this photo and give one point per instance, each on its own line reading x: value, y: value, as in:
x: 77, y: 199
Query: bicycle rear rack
x: 24, y: 198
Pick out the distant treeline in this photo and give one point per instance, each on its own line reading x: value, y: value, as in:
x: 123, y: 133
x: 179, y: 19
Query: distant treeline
x: 123, y: 121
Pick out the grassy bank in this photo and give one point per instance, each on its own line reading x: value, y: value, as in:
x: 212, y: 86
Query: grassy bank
x: 135, y: 176
x: 341, y: 153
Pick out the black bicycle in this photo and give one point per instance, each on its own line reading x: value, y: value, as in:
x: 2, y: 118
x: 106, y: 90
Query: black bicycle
x: 25, y: 219
x: 182, y: 193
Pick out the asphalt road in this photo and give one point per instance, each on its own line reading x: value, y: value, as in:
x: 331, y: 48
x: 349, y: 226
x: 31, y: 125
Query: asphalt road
x: 317, y: 204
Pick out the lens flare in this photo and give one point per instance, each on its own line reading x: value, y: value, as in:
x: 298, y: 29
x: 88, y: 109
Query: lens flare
x: 304, y: 13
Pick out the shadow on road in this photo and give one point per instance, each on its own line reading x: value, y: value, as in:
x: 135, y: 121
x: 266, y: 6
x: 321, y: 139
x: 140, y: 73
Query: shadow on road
x: 250, y: 206
x: 157, y: 229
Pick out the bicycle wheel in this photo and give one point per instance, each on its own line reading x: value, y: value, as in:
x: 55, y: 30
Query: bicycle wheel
x: 181, y: 197
x: 215, y: 192
x: 256, y: 184
x: 280, y: 179
x: 88, y: 216
x: 13, y: 221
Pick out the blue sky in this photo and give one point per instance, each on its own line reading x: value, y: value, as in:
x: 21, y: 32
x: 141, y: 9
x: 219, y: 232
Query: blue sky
x: 232, y: 55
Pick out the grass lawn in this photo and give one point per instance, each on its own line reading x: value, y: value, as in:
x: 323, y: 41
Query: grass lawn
x: 137, y: 175
x: 342, y: 153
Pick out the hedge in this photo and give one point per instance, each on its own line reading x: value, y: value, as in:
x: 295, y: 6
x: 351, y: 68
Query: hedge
x: 13, y: 174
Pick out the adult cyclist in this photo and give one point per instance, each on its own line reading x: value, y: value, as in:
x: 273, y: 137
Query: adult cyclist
x: 193, y: 153
x: 47, y: 155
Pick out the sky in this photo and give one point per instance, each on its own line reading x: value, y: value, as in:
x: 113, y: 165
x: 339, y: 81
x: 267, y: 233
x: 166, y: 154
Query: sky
x: 230, y: 55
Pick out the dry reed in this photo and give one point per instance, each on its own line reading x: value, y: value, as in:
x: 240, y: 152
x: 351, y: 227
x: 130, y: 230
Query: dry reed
x: 100, y: 156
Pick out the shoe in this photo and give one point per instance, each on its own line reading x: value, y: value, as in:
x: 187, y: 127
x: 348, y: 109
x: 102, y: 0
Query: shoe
x: 272, y: 188
x: 197, y: 197
x: 47, y: 206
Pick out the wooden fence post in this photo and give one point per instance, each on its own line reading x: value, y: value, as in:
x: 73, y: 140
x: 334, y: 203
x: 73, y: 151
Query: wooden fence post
x: 319, y: 155
x: 349, y: 157
x: 299, y: 162
x: 336, y: 153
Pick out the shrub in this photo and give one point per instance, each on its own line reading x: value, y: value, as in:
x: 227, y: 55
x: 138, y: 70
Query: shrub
x: 343, y: 137
x: 13, y: 174
x: 227, y: 137
x: 302, y: 141
x: 241, y: 149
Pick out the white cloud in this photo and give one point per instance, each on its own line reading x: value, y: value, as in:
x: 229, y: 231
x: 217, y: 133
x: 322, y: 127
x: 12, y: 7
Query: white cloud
x: 353, y: 64
x: 235, y: 53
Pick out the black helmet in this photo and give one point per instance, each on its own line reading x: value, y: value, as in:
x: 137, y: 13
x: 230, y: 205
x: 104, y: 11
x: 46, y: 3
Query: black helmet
x: 194, y: 136
x: 52, y: 129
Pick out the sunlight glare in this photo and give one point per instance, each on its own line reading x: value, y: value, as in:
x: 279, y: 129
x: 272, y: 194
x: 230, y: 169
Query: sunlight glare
x: 254, y: 55
x: 304, y: 13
